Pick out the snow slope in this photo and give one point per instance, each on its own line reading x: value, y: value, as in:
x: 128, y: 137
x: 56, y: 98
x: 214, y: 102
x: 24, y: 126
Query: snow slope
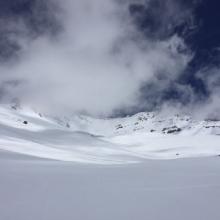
x: 84, y: 139
x: 36, y: 189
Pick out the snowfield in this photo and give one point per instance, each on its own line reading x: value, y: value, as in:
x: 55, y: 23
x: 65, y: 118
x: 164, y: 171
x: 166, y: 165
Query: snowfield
x: 84, y: 139
x: 82, y: 168
x: 38, y: 189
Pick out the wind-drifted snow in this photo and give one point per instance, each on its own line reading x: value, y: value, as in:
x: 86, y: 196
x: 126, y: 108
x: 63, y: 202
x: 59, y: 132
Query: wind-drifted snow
x: 106, y: 141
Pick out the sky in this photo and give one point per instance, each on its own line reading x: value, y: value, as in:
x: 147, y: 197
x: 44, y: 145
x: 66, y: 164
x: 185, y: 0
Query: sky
x: 111, y: 57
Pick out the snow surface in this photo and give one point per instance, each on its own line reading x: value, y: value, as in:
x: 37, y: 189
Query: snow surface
x: 83, y: 139
x: 38, y: 189
x: 32, y: 186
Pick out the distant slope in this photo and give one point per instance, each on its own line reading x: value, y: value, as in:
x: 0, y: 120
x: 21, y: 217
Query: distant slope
x: 106, y: 141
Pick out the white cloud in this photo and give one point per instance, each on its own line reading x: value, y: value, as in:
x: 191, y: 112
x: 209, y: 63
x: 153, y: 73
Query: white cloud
x: 96, y: 65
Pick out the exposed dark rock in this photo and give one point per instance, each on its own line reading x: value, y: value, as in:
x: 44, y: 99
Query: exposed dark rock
x: 119, y: 126
x: 171, y: 130
x: 25, y: 122
x: 213, y: 126
x: 14, y: 107
x: 142, y: 118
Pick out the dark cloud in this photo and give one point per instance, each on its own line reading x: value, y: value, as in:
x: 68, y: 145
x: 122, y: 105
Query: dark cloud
x: 197, y: 23
x: 24, y: 19
x: 159, y: 19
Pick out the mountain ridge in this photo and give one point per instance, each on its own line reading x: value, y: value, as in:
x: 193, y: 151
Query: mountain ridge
x: 83, y: 139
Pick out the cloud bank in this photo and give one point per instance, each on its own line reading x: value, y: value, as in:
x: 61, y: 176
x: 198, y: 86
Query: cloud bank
x: 96, y: 56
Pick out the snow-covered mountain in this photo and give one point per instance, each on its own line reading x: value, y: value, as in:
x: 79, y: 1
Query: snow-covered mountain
x: 78, y: 138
